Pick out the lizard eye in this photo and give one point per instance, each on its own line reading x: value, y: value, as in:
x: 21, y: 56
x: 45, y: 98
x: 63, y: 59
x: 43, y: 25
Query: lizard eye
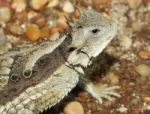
x: 95, y: 31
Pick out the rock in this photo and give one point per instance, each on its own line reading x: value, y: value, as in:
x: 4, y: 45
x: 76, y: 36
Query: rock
x: 19, y: 5
x: 5, y: 14
x: 112, y: 78
x: 146, y: 99
x: 74, y: 108
x: 15, y: 28
x: 53, y: 3
x: 143, y: 70
x: 38, y: 4
x: 41, y: 21
x: 33, y: 32
x: 99, y: 4
x: 61, y: 22
x: 82, y: 96
x: 134, y: 3
x: 122, y: 109
x: 31, y: 14
x: 144, y: 54
x: 45, y: 32
x: 68, y: 7
x: 126, y: 42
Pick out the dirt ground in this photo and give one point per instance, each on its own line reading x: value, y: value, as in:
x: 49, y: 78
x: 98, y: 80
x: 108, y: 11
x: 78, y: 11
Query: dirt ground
x: 124, y: 62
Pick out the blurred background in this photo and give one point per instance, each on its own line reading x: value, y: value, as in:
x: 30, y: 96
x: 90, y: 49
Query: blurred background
x: 124, y: 62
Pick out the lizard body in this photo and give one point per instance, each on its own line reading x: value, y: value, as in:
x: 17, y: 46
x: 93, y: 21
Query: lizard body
x: 42, y: 77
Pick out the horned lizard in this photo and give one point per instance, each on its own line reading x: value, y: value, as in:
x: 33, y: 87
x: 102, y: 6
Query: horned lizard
x: 34, y: 80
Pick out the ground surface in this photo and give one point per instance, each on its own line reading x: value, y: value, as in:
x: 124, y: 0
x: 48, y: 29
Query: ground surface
x: 125, y: 62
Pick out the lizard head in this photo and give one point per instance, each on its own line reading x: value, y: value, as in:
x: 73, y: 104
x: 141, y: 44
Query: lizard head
x: 92, y: 32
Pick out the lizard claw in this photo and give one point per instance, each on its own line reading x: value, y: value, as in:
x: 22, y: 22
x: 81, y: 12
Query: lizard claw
x: 103, y: 91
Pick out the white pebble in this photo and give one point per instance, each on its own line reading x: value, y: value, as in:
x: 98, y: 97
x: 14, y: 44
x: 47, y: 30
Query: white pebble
x: 122, y: 109
x: 68, y: 7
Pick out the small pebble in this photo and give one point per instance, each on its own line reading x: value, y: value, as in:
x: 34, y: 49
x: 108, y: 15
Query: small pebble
x: 31, y: 14
x: 19, y: 5
x: 134, y: 3
x: 82, y: 96
x: 33, y: 32
x: 54, y: 30
x: 99, y: 4
x: 109, y: 103
x: 45, y: 32
x: 54, y: 36
x: 144, y: 54
x: 15, y: 28
x: 146, y: 99
x: 126, y: 42
x: 68, y: 7
x: 5, y: 14
x: 112, y: 78
x: 38, y: 4
x: 143, y: 70
x: 53, y: 3
x: 122, y: 109
x: 41, y: 21
x: 61, y: 22
x: 74, y: 107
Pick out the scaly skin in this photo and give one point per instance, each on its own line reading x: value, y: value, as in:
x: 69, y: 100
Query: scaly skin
x: 55, y: 79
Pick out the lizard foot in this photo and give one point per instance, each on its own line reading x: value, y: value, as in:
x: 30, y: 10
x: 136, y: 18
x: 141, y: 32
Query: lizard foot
x: 103, y: 91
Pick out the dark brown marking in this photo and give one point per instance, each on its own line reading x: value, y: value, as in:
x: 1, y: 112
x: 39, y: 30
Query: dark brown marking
x: 43, y: 68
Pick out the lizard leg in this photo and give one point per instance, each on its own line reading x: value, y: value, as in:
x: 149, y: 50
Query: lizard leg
x: 48, y: 48
x: 98, y: 91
